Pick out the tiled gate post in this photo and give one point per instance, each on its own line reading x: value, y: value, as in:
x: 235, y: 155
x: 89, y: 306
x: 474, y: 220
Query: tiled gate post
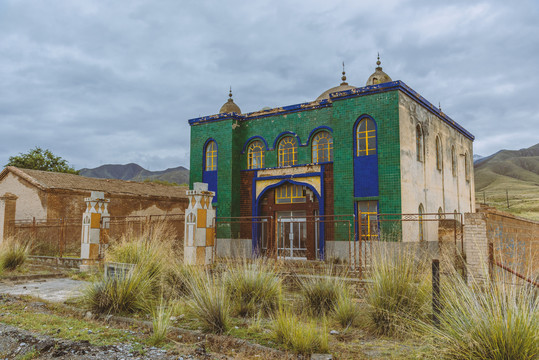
x: 199, y: 226
x: 96, y: 209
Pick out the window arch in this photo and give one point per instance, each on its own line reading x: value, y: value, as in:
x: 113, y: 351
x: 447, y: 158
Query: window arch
x: 322, y: 147
x: 366, y: 138
x: 419, y: 143
x: 453, y: 161
x: 288, y: 151
x: 211, y: 156
x: 439, y: 162
x: 255, y: 155
x: 421, y: 211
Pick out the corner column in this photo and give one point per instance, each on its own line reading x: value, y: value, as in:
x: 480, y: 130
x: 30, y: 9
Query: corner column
x: 199, y: 226
x: 96, y: 209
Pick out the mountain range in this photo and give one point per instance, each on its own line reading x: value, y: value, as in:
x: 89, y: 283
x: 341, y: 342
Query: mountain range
x: 135, y: 172
x: 509, y: 180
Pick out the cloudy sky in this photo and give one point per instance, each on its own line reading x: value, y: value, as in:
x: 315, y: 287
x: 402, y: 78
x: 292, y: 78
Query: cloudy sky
x: 103, y: 82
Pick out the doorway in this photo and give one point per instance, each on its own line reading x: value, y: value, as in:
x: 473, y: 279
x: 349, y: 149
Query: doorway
x: 292, y: 235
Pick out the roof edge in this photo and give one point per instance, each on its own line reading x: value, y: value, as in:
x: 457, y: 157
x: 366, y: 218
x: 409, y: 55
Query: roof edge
x: 20, y: 172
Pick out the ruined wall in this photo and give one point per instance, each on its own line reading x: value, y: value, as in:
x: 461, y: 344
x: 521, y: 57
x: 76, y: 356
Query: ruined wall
x: 515, y: 242
x: 451, y: 192
x: 68, y: 204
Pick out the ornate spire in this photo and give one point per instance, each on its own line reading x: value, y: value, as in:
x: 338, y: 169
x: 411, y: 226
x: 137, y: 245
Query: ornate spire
x: 378, y: 62
x: 230, y: 93
x: 343, y: 78
x: 440, y: 106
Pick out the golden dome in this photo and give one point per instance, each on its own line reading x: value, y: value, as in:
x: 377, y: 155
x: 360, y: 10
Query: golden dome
x: 342, y: 87
x: 378, y: 77
x: 230, y: 106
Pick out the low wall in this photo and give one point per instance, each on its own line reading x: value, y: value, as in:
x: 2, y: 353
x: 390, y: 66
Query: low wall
x: 65, y: 262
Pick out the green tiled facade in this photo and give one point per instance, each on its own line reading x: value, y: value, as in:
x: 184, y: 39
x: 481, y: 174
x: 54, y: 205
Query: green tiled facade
x: 340, y: 113
x: 340, y: 116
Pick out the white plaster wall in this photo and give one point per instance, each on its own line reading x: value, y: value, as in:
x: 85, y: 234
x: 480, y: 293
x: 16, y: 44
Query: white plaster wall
x: 422, y: 182
x: 28, y: 203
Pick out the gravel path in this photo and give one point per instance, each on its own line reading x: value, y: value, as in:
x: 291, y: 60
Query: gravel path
x: 57, y: 290
x: 15, y: 343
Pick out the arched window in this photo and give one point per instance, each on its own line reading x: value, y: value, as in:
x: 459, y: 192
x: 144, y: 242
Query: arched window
x: 211, y: 156
x: 441, y: 213
x: 322, y: 147
x: 439, y: 163
x: 255, y: 155
x: 421, y: 211
x: 419, y: 143
x: 467, y: 166
x: 366, y: 138
x: 290, y: 193
x: 453, y: 161
x: 288, y: 151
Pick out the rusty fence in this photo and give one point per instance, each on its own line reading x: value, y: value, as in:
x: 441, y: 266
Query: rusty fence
x: 168, y: 227
x: 62, y: 237
x: 49, y: 237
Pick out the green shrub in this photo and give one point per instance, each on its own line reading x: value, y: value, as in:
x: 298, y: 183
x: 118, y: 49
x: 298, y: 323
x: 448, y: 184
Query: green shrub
x: 253, y: 287
x: 320, y: 294
x: 298, y: 336
x: 496, y: 321
x: 345, y: 310
x: 399, y: 289
x: 127, y: 293
x: 209, y: 303
x: 13, y: 254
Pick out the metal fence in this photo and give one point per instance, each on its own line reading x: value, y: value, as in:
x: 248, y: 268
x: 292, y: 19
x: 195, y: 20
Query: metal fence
x: 62, y: 237
x: 49, y: 237
x: 170, y: 226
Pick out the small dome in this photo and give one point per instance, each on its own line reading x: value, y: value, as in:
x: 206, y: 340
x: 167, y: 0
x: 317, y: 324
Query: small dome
x: 379, y: 77
x: 230, y: 106
x: 342, y: 87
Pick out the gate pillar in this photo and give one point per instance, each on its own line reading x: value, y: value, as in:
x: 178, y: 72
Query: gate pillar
x: 96, y: 209
x: 199, y: 226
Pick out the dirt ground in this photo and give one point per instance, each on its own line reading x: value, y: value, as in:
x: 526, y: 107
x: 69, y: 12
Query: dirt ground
x: 20, y: 344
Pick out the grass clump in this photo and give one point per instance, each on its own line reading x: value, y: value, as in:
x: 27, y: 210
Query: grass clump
x: 126, y: 293
x: 13, y: 254
x: 160, y: 323
x: 496, y: 321
x: 399, y: 290
x: 253, y: 288
x: 320, y: 294
x: 209, y: 303
x: 345, y: 310
x: 298, y: 336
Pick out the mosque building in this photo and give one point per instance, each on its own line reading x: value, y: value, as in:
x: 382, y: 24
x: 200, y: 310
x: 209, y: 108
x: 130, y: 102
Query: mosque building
x: 353, y: 151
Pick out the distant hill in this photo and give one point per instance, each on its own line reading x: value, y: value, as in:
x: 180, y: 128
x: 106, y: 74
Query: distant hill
x: 134, y: 172
x: 512, y: 174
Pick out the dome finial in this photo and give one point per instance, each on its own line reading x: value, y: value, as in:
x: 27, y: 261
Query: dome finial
x: 440, y: 106
x: 230, y: 106
x: 378, y: 61
x: 343, y: 78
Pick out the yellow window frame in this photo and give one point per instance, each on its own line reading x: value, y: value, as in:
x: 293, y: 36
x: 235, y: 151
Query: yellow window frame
x: 321, y: 149
x: 211, y: 156
x: 256, y: 149
x: 363, y: 136
x: 288, y: 151
x: 289, y: 194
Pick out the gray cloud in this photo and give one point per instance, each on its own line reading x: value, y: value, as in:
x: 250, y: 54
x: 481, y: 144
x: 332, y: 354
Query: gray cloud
x: 115, y: 82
